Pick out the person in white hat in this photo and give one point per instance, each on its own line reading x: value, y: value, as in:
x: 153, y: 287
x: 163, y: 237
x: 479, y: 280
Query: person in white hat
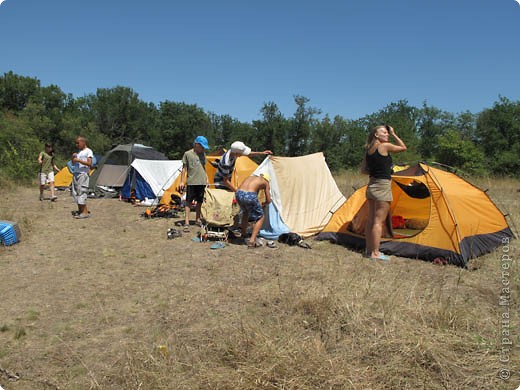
x: 226, y: 164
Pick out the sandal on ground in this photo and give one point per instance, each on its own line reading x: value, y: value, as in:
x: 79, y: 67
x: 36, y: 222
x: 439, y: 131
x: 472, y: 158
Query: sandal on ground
x: 218, y: 245
x: 186, y: 229
x: 236, y: 233
x: 382, y: 257
x: 271, y: 244
x: 174, y: 233
x: 76, y: 212
x: 253, y: 245
x: 82, y: 216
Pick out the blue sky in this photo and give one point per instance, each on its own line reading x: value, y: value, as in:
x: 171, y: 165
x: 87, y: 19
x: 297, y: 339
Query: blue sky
x: 350, y: 58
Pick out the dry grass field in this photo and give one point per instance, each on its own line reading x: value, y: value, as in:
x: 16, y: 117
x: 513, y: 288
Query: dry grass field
x: 110, y: 303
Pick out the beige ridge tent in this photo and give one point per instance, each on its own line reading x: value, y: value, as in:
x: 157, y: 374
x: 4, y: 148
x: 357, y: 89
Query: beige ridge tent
x: 304, y: 195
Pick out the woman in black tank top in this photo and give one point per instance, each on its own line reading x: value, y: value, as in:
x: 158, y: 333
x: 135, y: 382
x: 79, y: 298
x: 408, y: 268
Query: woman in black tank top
x: 378, y: 164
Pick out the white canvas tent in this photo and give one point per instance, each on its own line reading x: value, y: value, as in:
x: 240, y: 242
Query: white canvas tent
x: 150, y: 178
x: 304, y: 195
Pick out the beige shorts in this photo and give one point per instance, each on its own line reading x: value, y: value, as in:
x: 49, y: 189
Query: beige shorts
x: 80, y: 184
x: 46, y: 178
x: 379, y: 189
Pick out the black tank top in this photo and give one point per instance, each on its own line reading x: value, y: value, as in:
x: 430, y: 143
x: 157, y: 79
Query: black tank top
x: 379, y: 167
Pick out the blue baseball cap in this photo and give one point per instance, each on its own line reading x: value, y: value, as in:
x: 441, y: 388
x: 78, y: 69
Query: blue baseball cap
x: 202, y: 141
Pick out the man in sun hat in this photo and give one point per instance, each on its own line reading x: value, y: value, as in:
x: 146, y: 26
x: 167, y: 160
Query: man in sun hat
x: 226, y: 164
x: 194, y: 177
x: 252, y: 211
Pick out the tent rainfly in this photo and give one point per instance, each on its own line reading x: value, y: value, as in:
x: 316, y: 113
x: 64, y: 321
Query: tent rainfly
x: 113, y: 168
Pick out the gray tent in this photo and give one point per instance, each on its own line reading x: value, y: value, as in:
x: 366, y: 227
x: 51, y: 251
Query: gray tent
x: 113, y: 168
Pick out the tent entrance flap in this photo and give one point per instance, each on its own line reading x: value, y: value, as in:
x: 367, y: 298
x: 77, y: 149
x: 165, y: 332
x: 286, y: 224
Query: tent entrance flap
x: 409, y: 212
x: 415, y: 189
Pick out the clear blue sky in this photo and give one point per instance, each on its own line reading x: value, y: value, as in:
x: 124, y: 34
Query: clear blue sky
x: 349, y: 57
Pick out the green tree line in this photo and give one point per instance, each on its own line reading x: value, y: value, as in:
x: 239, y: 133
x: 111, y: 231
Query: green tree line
x: 487, y: 142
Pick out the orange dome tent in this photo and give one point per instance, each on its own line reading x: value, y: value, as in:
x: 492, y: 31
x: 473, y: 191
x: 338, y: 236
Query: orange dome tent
x: 439, y: 213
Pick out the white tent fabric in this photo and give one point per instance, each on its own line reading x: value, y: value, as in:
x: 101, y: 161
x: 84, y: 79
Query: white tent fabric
x: 159, y: 174
x: 303, y: 191
x: 267, y: 167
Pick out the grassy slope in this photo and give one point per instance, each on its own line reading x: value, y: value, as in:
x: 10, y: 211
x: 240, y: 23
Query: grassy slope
x: 110, y: 303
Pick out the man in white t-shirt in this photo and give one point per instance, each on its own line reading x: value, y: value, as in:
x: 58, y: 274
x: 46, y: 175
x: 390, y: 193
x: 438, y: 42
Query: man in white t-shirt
x: 80, y: 181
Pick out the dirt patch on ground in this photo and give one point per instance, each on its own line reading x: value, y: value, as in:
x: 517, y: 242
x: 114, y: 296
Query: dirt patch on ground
x: 109, y: 302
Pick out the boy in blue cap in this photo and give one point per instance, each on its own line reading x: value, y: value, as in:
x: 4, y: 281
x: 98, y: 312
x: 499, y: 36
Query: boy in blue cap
x: 194, y: 178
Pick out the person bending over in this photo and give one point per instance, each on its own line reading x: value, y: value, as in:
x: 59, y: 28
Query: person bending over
x: 247, y: 199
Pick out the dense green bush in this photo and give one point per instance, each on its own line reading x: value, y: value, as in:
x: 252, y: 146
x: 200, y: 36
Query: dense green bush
x: 454, y: 151
x: 19, y: 149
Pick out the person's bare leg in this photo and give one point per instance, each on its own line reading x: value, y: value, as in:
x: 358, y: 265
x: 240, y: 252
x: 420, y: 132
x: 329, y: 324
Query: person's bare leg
x: 245, y: 223
x: 256, y: 229
x: 42, y: 187
x: 51, y: 185
x: 368, y: 226
x: 187, y: 215
x: 381, y: 211
x: 197, y: 212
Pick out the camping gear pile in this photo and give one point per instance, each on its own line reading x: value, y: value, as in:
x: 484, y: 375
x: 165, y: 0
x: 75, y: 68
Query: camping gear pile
x: 293, y: 239
x: 161, y: 211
